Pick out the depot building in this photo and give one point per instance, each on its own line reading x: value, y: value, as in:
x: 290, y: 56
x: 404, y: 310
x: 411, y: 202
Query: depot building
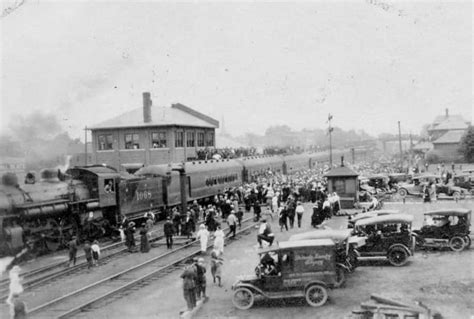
x: 152, y: 135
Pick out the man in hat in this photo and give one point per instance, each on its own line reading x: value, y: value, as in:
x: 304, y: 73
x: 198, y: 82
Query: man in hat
x: 232, y: 222
x: 129, y: 236
x: 168, y: 229
x: 299, y: 213
x: 189, y: 285
x: 72, y: 245
x: 200, y: 279
x: 265, y: 233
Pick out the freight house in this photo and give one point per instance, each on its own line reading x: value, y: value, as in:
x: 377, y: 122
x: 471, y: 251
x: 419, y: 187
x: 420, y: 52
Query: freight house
x: 152, y: 135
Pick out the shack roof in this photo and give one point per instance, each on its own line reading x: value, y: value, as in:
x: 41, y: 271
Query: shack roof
x: 341, y: 171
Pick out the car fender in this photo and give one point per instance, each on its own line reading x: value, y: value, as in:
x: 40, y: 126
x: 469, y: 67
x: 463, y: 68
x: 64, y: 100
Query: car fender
x: 401, y: 246
x: 251, y: 287
x: 343, y: 266
x: 322, y: 283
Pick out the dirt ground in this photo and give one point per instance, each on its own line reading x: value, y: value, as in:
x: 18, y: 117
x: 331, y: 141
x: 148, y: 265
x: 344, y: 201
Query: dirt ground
x: 442, y: 280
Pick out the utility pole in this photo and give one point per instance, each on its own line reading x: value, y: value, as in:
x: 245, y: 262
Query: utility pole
x: 330, y: 129
x: 85, y: 146
x: 400, y: 144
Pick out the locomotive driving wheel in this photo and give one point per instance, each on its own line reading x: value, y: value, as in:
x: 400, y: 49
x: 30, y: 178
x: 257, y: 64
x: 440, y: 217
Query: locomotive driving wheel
x: 53, y: 237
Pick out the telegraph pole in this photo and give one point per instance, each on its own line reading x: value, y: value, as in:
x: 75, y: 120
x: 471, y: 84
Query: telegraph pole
x: 400, y: 144
x: 330, y: 129
x: 85, y: 146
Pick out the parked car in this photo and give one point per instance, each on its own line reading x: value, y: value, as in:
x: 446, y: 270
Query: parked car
x: 415, y: 187
x: 451, y: 190
x: 304, y: 269
x: 465, y: 181
x: 346, y: 249
x: 353, y: 219
x: 387, y: 236
x: 445, y: 228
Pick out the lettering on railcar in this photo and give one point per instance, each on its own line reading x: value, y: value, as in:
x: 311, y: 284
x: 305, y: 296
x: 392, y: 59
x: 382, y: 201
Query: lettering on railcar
x: 221, y: 179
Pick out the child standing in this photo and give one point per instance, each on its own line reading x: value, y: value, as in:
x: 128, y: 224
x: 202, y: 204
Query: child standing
x: 95, y: 253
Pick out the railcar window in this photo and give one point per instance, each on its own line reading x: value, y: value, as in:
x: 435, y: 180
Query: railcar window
x: 200, y: 139
x: 132, y: 141
x: 210, y: 139
x: 159, y: 140
x: 190, y: 139
x: 179, y: 139
x: 105, y: 142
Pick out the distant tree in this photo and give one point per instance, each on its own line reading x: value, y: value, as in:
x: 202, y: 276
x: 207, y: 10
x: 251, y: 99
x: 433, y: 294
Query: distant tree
x: 467, y: 145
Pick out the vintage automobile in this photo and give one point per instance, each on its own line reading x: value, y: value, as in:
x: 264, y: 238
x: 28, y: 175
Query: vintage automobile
x: 445, y: 228
x: 465, y: 181
x: 353, y: 219
x: 346, y: 249
x: 395, y: 179
x: 380, y: 183
x: 304, y: 269
x: 415, y: 187
x: 387, y: 236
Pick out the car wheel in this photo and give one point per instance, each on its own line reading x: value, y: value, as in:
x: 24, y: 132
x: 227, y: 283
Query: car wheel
x: 243, y: 298
x: 467, y: 239
x: 340, y: 277
x: 397, y: 256
x: 402, y: 192
x: 457, y: 243
x: 316, y: 295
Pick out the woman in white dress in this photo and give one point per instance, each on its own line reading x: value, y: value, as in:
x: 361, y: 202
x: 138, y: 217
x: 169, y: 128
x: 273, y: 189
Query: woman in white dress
x: 203, y: 236
x: 219, y: 239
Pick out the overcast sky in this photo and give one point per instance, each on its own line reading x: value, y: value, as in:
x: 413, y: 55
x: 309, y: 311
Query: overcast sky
x: 370, y: 63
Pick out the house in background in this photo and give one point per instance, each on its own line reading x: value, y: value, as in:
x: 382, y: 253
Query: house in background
x: 152, y: 135
x: 445, y: 133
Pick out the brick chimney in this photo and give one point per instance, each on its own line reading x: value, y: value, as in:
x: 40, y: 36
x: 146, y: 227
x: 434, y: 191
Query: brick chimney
x: 447, y: 113
x: 146, y: 107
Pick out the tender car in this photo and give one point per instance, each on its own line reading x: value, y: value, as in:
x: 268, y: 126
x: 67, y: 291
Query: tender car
x: 301, y: 269
x: 387, y: 236
x: 445, y: 228
x: 353, y: 219
x: 415, y: 187
x: 346, y: 249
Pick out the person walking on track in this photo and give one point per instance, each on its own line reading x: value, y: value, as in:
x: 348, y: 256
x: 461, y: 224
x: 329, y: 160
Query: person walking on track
x: 299, y: 213
x: 72, y: 245
x: 189, y: 285
x: 232, y: 222
x: 203, y: 236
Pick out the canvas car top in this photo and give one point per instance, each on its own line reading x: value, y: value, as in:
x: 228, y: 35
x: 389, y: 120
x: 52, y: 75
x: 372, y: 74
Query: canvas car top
x: 449, y: 212
x: 336, y: 235
x: 394, y: 218
x: 374, y: 214
x: 298, y: 244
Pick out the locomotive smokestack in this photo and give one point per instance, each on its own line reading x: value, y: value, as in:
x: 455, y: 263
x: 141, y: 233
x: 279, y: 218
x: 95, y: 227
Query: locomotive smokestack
x: 146, y: 107
x: 342, y: 161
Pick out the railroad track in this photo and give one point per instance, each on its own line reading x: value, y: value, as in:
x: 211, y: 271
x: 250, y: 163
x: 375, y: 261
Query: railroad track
x: 122, y: 283
x: 48, y: 273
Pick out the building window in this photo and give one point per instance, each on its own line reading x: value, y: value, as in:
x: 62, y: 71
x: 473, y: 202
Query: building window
x: 105, y: 142
x: 132, y: 141
x: 190, y: 142
x: 158, y: 140
x: 210, y: 139
x: 200, y: 139
x: 179, y: 141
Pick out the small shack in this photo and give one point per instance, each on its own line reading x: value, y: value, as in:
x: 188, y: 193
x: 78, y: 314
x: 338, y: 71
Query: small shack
x: 343, y: 181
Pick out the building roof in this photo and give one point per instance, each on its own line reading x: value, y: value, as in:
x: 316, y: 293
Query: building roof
x: 177, y: 114
x: 453, y: 137
x: 423, y: 146
x: 341, y: 171
x: 454, y: 122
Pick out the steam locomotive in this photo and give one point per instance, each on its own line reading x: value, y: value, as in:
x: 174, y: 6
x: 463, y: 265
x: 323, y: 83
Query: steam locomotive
x: 48, y: 212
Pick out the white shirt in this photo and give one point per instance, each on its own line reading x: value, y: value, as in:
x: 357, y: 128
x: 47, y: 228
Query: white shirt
x: 299, y: 209
x: 262, y: 228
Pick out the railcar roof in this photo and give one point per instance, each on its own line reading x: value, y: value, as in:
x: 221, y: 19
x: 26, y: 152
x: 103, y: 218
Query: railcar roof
x: 449, y: 212
x: 394, y: 218
x: 299, y: 244
x: 336, y: 235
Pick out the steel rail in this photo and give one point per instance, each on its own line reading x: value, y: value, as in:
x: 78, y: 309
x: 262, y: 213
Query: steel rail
x: 121, y: 273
